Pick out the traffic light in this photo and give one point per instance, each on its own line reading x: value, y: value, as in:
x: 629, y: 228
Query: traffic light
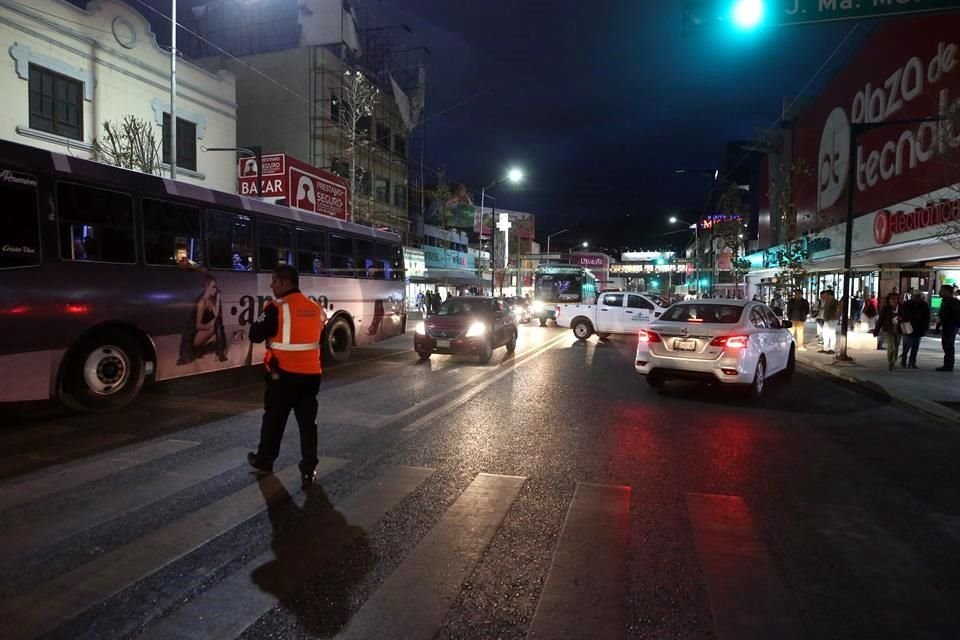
x: 698, y: 17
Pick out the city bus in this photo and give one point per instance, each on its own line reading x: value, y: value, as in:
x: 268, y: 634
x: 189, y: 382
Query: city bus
x: 111, y: 278
x: 561, y: 283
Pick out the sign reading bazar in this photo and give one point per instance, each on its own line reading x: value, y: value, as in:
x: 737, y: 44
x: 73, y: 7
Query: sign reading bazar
x: 907, y: 69
x: 303, y: 186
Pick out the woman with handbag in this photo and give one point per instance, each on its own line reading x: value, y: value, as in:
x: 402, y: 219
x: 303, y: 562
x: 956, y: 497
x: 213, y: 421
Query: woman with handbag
x: 888, y: 326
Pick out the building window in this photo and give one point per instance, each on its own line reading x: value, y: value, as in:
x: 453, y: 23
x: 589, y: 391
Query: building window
x: 400, y: 195
x: 186, y: 143
x: 336, y: 108
x: 364, y: 183
x: 381, y: 189
x: 383, y: 135
x: 363, y: 126
x: 400, y: 145
x: 56, y: 103
x: 340, y: 167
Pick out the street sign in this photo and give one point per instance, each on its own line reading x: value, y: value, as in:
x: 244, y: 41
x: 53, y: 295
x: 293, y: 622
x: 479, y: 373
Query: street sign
x: 698, y: 16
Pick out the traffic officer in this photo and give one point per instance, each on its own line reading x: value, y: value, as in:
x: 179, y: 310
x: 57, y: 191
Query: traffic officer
x: 291, y: 325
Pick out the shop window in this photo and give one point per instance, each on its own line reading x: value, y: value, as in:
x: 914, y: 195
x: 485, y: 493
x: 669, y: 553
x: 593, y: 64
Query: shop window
x: 56, y: 103
x: 171, y: 234
x: 95, y: 224
x: 229, y: 241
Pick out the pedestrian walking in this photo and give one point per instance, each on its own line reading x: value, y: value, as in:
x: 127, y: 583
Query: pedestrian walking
x: 420, y: 302
x: 830, y: 310
x: 949, y: 323
x: 916, y: 322
x: 888, y: 326
x: 797, y: 311
x: 870, y: 310
x: 291, y: 326
x: 856, y: 312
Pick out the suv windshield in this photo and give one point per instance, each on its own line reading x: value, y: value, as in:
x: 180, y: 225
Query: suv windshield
x: 464, y: 307
x: 707, y: 313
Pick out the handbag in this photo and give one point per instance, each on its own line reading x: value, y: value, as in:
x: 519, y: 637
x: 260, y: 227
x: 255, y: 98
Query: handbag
x: 906, y: 328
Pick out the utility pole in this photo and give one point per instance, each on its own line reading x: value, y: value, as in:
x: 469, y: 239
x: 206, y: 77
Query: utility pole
x: 173, y: 90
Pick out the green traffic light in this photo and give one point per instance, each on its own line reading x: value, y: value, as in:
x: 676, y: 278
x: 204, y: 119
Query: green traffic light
x: 747, y: 14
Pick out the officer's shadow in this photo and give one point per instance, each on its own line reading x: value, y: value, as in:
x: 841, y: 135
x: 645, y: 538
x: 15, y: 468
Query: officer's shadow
x: 315, y: 549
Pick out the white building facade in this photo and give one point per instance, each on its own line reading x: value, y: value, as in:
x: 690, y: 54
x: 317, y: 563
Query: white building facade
x: 67, y: 71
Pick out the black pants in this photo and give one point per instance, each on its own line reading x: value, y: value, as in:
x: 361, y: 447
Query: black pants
x: 947, y: 336
x: 291, y: 392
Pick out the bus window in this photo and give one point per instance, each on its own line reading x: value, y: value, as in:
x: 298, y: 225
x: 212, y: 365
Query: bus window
x: 311, y: 252
x: 276, y: 245
x: 95, y: 224
x: 20, y: 228
x: 229, y: 241
x: 396, y: 261
x: 384, y: 261
x: 367, y: 260
x: 171, y: 234
x: 341, y: 256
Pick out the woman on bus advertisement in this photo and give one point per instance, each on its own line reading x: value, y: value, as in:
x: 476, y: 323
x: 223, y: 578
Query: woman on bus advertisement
x: 205, y: 332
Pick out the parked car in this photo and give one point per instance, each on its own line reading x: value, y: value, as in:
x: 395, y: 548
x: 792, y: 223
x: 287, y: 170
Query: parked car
x: 614, y: 312
x: 734, y: 342
x: 520, y: 307
x: 467, y: 325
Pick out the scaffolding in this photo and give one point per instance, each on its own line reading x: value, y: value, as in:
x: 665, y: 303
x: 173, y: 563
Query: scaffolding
x: 351, y: 37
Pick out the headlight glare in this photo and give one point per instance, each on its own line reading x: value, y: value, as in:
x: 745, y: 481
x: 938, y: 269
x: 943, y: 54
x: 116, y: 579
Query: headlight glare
x: 421, y: 329
x: 476, y: 330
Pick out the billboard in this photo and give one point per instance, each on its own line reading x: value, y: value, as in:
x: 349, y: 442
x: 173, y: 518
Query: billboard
x: 521, y: 223
x: 300, y: 184
x: 450, y: 207
x: 908, y: 70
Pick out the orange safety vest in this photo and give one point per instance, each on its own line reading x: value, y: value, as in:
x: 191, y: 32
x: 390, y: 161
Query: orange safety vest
x: 296, y: 345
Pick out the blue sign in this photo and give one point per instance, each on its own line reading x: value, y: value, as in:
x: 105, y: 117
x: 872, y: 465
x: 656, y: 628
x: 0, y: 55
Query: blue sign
x: 440, y: 258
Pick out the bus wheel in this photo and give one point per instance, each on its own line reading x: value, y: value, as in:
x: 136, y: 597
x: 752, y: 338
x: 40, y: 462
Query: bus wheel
x: 338, y: 341
x: 104, y: 371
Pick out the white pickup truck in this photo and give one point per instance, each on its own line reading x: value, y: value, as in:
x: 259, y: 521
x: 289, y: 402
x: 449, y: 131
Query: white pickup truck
x: 614, y: 312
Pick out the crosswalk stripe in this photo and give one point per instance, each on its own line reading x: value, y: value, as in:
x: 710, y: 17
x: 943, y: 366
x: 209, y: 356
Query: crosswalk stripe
x: 21, y: 463
x: 90, y: 510
x: 49, y: 605
x: 586, y: 590
x: 228, y: 608
x: 746, y: 596
x: 72, y: 476
x: 413, y: 601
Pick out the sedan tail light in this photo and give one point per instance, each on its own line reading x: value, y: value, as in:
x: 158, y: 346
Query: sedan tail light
x: 649, y: 336
x: 730, y: 342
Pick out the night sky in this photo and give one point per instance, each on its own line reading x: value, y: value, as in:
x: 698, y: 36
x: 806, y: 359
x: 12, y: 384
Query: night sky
x: 599, y: 102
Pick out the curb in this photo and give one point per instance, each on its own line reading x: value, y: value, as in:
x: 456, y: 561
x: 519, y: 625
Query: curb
x: 927, y: 406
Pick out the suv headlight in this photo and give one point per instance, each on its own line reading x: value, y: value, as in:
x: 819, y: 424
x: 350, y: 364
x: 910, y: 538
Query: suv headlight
x: 476, y: 330
x: 421, y: 329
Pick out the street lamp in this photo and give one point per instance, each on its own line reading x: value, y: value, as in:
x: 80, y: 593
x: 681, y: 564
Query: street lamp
x: 585, y: 245
x: 696, y: 246
x: 554, y: 234
x: 513, y: 175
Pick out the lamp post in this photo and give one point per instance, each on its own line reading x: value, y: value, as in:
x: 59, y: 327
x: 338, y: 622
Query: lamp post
x: 696, y: 247
x: 856, y: 130
x: 554, y: 234
x: 255, y: 152
x: 173, y: 90
x: 513, y: 175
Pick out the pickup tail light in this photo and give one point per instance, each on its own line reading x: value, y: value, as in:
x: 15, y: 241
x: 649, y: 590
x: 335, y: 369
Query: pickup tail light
x: 649, y: 336
x: 730, y: 342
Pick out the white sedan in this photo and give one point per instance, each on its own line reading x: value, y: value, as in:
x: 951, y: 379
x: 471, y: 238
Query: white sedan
x: 716, y: 341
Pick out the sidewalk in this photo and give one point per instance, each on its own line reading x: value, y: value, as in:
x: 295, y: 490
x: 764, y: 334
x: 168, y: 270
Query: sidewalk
x: 931, y: 391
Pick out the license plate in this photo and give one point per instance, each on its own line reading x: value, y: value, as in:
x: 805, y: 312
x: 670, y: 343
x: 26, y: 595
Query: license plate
x: 685, y: 345
x: 443, y: 344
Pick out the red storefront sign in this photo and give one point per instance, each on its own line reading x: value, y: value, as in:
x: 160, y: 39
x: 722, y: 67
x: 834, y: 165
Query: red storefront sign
x: 303, y: 186
x: 909, y: 69
x: 887, y: 224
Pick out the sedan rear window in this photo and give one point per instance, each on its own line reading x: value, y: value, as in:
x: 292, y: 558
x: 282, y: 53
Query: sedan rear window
x: 706, y: 313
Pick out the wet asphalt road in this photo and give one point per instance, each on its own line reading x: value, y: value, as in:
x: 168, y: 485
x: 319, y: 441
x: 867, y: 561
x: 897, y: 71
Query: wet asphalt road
x: 465, y: 501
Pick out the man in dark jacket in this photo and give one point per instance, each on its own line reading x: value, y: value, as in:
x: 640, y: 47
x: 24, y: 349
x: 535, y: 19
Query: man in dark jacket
x: 917, y: 313
x: 797, y: 311
x: 949, y: 323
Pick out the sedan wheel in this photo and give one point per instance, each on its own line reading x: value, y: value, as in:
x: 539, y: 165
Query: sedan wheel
x: 759, y: 379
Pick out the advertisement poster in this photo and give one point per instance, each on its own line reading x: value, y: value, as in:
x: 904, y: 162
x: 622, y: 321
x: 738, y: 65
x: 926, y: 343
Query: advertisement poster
x: 301, y: 185
x: 521, y: 223
x: 450, y: 207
